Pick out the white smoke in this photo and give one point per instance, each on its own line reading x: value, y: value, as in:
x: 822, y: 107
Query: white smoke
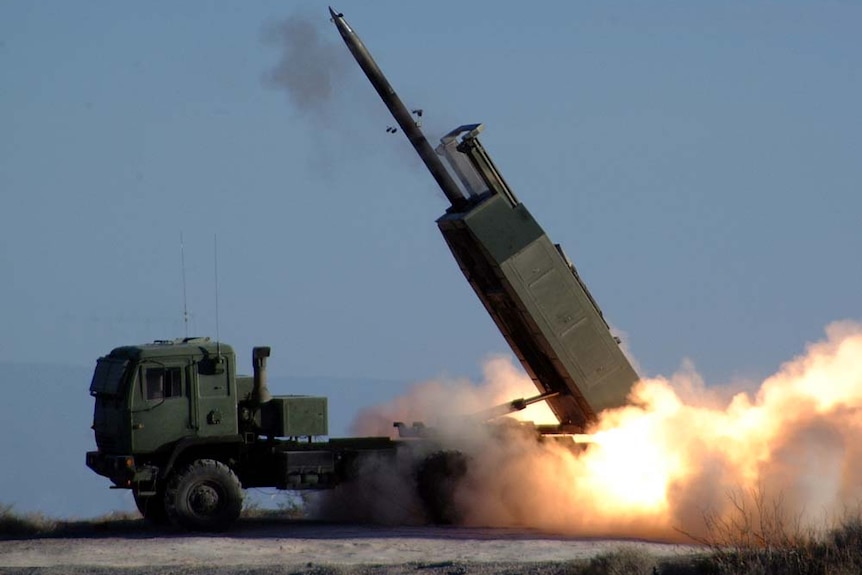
x: 681, y: 453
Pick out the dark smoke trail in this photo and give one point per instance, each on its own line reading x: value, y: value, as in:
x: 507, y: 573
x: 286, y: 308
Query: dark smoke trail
x: 311, y: 63
x: 316, y: 71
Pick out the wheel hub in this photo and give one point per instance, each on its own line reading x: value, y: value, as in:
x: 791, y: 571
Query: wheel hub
x: 204, y: 499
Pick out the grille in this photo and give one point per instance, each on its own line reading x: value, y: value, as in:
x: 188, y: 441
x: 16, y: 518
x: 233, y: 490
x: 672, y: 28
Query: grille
x: 105, y: 442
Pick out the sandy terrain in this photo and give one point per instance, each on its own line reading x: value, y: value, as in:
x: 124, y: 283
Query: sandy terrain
x: 304, y: 547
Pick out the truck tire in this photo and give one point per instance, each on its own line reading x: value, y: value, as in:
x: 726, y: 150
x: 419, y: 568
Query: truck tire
x: 152, y: 507
x: 437, y: 480
x: 204, y: 496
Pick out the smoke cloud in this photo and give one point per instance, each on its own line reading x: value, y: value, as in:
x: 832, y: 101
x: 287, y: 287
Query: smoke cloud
x: 310, y: 63
x: 320, y: 78
x: 335, y: 110
x: 680, y: 456
x: 448, y: 402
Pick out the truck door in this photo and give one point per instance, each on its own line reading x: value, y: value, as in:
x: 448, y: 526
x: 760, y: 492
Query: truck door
x: 160, y: 406
x: 216, y: 404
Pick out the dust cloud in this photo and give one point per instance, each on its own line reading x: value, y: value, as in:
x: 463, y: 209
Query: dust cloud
x: 680, y: 456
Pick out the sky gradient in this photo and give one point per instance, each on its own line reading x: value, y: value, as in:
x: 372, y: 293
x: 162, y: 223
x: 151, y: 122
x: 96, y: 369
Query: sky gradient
x: 700, y: 164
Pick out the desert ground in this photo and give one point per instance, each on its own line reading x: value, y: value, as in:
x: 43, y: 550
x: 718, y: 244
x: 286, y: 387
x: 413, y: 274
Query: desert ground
x: 270, y: 546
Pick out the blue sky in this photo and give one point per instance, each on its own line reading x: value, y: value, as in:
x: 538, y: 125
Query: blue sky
x: 700, y: 163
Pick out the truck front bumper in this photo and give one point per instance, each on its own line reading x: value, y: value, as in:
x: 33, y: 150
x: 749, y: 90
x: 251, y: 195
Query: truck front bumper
x: 120, y: 469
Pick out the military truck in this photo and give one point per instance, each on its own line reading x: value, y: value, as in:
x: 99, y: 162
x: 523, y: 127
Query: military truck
x: 176, y: 425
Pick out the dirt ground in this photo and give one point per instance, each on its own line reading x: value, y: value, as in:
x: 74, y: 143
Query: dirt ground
x: 306, y: 547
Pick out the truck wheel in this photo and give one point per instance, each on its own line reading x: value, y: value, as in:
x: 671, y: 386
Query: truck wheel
x: 437, y: 479
x: 152, y: 507
x: 204, y: 496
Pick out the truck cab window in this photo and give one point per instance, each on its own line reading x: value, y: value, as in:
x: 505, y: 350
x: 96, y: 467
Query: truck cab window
x: 164, y: 383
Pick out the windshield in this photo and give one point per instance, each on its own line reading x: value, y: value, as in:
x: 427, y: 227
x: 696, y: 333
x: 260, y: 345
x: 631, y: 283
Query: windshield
x: 108, y: 376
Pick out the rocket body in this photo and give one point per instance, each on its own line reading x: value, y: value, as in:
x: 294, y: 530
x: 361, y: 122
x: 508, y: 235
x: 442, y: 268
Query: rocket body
x: 398, y: 110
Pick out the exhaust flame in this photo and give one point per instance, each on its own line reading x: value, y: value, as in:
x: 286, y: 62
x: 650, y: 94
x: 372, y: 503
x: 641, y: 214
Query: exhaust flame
x: 678, y: 454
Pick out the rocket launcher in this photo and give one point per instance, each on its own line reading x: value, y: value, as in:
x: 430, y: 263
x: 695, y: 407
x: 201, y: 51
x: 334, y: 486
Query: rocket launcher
x: 527, y: 284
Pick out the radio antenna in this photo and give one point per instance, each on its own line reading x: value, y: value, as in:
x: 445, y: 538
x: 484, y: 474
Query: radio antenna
x: 185, y: 300
x: 215, y: 254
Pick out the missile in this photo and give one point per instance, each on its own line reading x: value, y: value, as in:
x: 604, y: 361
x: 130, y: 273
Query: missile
x: 398, y: 111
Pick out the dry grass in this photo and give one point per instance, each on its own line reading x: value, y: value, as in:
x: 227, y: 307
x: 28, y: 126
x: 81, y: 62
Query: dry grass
x: 760, y: 537
x: 15, y: 525
x: 22, y: 525
x: 757, y: 537
x: 291, y: 505
x: 751, y: 545
x: 623, y: 561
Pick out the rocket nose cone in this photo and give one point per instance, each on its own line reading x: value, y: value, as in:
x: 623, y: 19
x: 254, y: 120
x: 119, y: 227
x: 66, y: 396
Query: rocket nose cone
x: 340, y: 23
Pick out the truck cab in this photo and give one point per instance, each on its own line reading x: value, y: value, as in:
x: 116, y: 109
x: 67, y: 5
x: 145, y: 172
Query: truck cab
x: 155, y: 401
x: 150, y: 396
